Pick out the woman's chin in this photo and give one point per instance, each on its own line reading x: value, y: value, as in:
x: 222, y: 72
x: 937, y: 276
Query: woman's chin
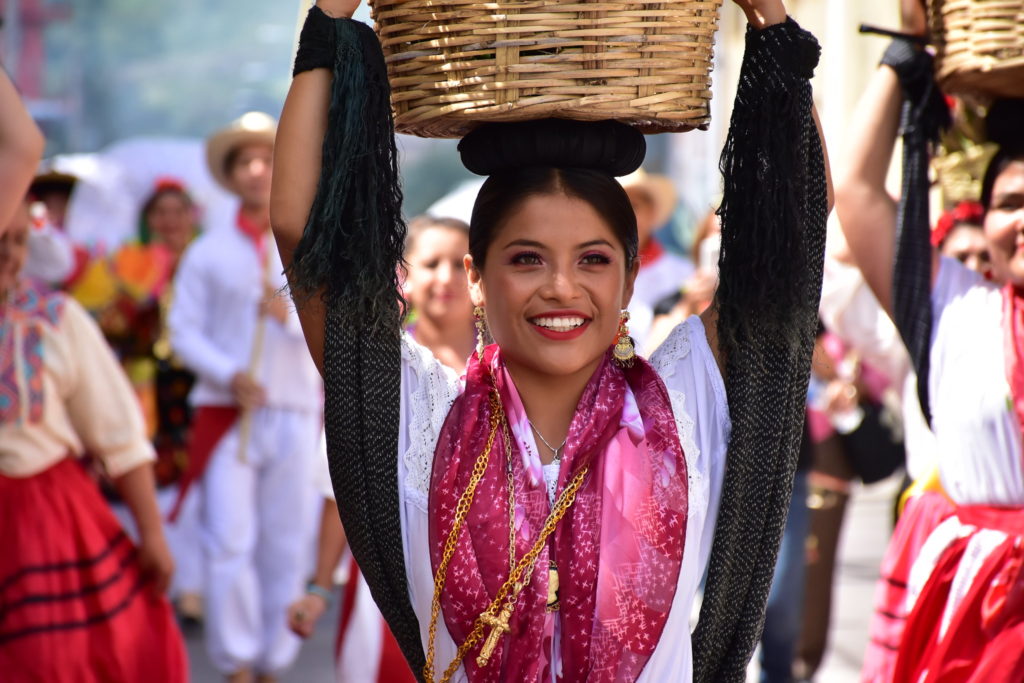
x: 567, y: 361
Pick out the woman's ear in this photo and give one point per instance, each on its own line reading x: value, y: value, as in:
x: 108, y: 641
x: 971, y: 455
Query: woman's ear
x: 631, y: 273
x: 476, y: 283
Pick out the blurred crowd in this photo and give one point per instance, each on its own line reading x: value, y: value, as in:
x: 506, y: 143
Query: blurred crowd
x: 177, y: 345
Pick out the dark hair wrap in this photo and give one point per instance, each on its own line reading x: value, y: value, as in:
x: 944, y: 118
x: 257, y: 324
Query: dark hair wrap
x: 607, y: 146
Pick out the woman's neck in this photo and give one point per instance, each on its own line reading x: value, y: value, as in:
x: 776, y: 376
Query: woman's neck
x: 450, y: 343
x: 550, y: 402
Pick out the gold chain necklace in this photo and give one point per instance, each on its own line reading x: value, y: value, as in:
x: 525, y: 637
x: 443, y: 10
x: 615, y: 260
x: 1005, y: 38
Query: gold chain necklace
x: 498, y: 613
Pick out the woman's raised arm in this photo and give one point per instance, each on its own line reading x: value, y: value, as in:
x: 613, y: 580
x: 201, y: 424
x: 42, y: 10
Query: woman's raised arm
x: 866, y: 211
x: 300, y: 135
x: 298, y: 167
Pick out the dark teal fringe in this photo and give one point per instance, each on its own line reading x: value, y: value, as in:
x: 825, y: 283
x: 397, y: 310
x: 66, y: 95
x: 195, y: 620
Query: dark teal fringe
x: 354, y: 238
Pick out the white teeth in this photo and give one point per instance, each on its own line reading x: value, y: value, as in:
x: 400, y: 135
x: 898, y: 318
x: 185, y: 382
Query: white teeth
x: 559, y: 324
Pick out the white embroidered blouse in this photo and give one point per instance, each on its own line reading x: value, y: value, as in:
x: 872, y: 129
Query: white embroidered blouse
x: 687, y: 366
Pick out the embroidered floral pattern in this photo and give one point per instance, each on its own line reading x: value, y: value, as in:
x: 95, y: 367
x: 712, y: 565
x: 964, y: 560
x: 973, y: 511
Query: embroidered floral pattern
x: 23, y: 319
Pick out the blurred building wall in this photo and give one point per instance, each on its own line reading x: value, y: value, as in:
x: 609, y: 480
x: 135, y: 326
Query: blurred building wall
x: 848, y: 59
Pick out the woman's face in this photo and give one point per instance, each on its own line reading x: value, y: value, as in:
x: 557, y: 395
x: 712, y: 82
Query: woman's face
x: 967, y: 244
x: 1004, y: 225
x: 435, y: 281
x: 553, y: 287
x: 14, y: 248
x: 172, y: 221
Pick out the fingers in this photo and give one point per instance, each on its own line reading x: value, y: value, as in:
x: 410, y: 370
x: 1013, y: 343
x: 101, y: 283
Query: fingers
x: 302, y: 617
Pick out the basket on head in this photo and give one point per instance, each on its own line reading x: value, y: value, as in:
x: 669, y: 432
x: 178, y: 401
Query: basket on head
x: 980, y: 46
x: 454, y: 64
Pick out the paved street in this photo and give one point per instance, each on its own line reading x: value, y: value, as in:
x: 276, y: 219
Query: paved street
x: 865, y: 535
x: 313, y: 666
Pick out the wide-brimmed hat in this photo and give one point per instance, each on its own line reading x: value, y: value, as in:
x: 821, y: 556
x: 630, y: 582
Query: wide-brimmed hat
x: 659, y: 188
x: 254, y: 127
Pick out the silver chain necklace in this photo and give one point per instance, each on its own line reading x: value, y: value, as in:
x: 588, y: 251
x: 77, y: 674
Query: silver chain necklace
x: 555, y: 451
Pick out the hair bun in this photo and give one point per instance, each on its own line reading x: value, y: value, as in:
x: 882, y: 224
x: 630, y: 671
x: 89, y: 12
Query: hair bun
x: 1004, y: 124
x: 609, y: 146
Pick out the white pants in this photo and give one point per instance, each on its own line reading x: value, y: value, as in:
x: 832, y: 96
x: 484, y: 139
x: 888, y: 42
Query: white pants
x: 257, y: 521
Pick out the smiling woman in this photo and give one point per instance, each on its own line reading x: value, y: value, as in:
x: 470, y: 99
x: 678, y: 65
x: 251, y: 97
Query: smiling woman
x: 550, y: 516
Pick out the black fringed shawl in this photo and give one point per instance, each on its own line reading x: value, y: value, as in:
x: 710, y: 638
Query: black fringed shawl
x: 350, y: 250
x: 773, y: 217
x: 924, y: 114
x: 774, y: 210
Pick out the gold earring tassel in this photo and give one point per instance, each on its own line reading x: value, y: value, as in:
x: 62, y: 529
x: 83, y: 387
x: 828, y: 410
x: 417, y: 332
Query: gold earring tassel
x: 481, y: 330
x: 624, y: 351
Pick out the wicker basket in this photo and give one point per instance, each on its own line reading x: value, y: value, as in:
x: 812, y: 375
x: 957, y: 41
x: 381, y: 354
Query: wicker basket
x: 455, y: 64
x: 980, y: 46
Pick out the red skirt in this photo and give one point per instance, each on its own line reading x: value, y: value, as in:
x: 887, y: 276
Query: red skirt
x: 365, y: 648
x: 981, y: 639
x: 923, y: 513
x: 74, y: 606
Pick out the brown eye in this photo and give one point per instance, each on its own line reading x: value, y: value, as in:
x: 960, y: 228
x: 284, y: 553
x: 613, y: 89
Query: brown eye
x: 596, y: 259
x: 526, y: 258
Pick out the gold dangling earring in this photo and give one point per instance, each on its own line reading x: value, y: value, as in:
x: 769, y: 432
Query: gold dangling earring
x: 624, y: 351
x: 481, y: 330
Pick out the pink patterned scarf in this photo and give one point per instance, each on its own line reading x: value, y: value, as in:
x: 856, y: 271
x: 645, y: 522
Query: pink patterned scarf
x: 619, y: 548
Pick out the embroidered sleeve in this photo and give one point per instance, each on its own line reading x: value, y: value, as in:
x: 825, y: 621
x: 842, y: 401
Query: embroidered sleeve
x: 428, y: 390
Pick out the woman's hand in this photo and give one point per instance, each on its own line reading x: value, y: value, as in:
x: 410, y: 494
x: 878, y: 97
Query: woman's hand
x: 156, y: 562
x: 338, y: 8
x: 304, y: 613
x: 763, y: 13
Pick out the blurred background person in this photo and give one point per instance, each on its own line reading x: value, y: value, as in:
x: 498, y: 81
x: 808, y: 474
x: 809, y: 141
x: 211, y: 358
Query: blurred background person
x: 129, y: 294
x: 441, y: 319
x: 81, y: 602
x: 661, y: 272
x: 258, y: 401
x: 967, y: 570
x: 697, y: 291
x: 959, y: 234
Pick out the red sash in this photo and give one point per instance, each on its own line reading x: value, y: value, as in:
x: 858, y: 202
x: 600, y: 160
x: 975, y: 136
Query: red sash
x: 209, y: 426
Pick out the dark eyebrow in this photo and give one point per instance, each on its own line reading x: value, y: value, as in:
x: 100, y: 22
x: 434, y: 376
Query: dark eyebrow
x: 538, y: 245
x: 1009, y: 194
x: 524, y: 243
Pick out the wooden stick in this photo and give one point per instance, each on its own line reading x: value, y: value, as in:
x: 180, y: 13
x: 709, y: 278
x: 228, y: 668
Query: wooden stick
x: 245, y: 427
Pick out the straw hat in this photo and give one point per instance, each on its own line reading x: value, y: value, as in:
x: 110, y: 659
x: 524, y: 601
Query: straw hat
x: 658, y: 187
x: 253, y: 127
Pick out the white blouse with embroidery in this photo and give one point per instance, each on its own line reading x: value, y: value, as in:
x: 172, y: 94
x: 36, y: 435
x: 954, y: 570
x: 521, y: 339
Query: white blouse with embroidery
x: 88, y: 405
x: 687, y: 366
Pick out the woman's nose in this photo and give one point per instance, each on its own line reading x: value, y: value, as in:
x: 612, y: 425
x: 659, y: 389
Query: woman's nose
x: 562, y: 284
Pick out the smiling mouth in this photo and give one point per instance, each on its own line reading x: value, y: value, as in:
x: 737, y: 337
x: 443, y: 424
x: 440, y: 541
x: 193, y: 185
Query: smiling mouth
x: 560, y: 323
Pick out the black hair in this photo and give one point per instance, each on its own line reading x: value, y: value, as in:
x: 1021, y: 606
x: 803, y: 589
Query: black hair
x: 1003, y: 127
x: 162, y: 191
x: 504, y: 192
x: 420, y: 224
x: 552, y: 156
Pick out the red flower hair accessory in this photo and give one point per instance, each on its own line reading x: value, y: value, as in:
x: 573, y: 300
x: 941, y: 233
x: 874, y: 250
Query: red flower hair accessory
x: 967, y: 212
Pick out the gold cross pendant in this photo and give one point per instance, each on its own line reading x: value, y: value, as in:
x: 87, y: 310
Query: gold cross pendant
x: 499, y: 627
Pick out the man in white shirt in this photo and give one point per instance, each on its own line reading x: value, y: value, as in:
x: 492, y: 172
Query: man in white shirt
x: 661, y: 273
x: 258, y: 400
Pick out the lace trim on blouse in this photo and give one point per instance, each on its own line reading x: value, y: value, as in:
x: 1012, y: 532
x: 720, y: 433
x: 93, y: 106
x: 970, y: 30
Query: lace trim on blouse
x: 436, y: 389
